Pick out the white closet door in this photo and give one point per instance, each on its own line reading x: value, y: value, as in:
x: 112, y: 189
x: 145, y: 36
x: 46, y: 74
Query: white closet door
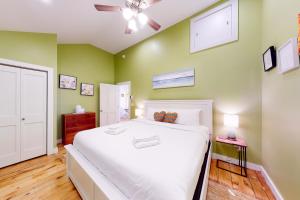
x: 33, y: 113
x: 9, y: 115
x: 109, y: 106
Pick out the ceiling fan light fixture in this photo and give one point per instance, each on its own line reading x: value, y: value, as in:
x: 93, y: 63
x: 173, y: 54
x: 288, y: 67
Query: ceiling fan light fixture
x: 143, y: 19
x: 144, y: 5
x: 132, y: 25
x: 127, y: 13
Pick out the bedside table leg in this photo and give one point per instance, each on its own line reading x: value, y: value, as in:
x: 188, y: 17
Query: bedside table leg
x: 245, y: 161
x: 239, y: 156
x: 242, y: 155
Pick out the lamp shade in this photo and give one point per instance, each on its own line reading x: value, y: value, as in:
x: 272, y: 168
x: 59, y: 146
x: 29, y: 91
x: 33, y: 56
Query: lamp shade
x: 138, y: 112
x: 231, y: 120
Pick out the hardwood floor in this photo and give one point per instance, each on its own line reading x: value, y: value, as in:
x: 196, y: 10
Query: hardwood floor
x: 45, y: 178
x: 226, y: 185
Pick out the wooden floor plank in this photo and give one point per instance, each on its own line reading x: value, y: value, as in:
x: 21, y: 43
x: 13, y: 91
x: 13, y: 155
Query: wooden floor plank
x: 224, y: 176
x: 265, y: 187
x: 45, y: 178
x: 241, y: 183
x: 256, y: 185
x: 213, y: 173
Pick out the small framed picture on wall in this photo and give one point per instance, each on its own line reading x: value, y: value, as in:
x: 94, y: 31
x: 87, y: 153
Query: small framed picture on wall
x: 67, y: 82
x: 87, y: 89
x: 269, y: 59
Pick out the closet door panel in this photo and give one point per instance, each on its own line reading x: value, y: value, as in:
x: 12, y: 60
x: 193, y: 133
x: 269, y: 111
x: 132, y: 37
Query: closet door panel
x: 9, y: 115
x: 33, y: 113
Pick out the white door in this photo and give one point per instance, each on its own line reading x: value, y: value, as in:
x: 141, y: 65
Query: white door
x: 9, y: 115
x: 124, y: 101
x: 109, y: 106
x: 33, y: 113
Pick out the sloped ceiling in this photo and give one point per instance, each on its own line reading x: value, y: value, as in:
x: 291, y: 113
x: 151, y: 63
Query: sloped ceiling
x: 77, y: 21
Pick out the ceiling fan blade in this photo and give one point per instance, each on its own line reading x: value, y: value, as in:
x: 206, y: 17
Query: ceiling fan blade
x: 147, y: 3
x: 108, y: 8
x: 151, y: 2
x: 154, y: 24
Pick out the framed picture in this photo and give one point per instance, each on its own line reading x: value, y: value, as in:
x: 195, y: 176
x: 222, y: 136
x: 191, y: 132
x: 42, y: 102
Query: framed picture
x: 87, y: 89
x: 180, y: 78
x: 67, y: 82
x: 269, y: 58
x: 288, y: 56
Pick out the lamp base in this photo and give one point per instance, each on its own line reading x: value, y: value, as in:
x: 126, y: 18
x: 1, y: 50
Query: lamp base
x: 231, y: 136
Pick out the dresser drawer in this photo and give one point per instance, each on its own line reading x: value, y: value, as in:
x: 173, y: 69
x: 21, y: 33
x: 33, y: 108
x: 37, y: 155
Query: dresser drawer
x: 74, y: 123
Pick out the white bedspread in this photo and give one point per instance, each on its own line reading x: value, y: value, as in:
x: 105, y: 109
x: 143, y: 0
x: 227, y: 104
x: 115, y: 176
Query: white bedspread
x: 168, y: 171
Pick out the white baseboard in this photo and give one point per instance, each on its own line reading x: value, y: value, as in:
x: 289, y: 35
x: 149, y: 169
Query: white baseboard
x: 236, y: 161
x: 256, y: 167
x: 59, y: 141
x: 271, y: 184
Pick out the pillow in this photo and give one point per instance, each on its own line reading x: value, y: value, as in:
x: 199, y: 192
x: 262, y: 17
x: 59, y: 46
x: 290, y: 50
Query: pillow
x: 189, y: 117
x: 170, y: 117
x: 150, y: 113
x: 159, y: 116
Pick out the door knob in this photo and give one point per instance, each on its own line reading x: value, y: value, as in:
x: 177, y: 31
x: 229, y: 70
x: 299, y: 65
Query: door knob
x: 23, y: 119
x: 101, y: 110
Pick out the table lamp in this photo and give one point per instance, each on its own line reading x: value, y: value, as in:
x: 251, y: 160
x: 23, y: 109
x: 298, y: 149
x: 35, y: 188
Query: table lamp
x: 138, y: 113
x: 232, y: 122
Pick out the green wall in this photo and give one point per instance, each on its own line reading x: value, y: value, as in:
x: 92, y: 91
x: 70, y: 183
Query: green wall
x: 34, y: 48
x: 229, y: 74
x: 280, y: 102
x: 90, y: 65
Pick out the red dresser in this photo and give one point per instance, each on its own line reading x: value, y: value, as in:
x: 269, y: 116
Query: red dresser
x: 73, y: 123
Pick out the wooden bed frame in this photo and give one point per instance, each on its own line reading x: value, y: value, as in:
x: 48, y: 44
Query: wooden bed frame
x: 93, y: 185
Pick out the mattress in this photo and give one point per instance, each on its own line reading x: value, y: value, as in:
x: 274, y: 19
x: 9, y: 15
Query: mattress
x: 167, y: 171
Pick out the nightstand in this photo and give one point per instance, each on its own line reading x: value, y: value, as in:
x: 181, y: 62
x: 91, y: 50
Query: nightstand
x: 242, y: 150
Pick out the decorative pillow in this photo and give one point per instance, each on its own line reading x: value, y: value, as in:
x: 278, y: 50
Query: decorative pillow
x: 159, y: 116
x: 191, y: 117
x: 170, y: 117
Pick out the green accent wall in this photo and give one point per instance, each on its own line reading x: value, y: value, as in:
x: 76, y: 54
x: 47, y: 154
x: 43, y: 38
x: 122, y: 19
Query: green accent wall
x: 280, y: 102
x: 229, y: 74
x: 34, y: 48
x: 90, y: 65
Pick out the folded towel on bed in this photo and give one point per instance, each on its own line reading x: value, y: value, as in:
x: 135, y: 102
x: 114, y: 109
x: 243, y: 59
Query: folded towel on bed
x: 114, y: 127
x: 140, y: 143
x: 114, y: 131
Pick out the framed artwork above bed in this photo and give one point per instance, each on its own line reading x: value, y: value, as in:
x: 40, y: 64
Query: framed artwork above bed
x: 180, y: 78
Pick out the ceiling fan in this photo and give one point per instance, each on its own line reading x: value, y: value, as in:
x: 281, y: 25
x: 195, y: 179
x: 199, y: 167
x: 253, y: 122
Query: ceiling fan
x: 133, y: 12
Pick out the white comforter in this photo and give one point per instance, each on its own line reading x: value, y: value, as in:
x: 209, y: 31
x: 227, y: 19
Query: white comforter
x: 167, y: 171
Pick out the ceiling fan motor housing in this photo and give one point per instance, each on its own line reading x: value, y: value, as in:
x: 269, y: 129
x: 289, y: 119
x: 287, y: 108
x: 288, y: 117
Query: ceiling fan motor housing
x: 136, y: 5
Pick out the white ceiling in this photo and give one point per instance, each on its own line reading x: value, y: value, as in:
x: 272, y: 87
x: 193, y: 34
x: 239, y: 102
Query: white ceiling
x: 77, y: 21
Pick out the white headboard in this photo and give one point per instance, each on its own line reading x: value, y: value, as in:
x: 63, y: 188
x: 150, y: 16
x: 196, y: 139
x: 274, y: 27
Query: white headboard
x: 204, y: 105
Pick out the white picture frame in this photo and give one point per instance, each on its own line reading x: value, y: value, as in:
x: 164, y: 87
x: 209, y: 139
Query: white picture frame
x: 180, y: 78
x: 288, y: 57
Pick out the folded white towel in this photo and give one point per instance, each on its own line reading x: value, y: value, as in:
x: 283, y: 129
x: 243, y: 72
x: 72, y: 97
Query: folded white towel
x: 140, y: 143
x: 114, y: 127
x: 114, y: 132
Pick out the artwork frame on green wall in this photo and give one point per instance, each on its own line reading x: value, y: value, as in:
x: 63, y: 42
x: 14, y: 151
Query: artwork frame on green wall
x: 180, y: 78
x: 87, y: 89
x: 67, y: 82
x: 269, y: 58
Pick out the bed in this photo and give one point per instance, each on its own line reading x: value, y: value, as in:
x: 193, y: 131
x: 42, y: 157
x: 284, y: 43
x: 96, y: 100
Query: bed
x: 105, y: 166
